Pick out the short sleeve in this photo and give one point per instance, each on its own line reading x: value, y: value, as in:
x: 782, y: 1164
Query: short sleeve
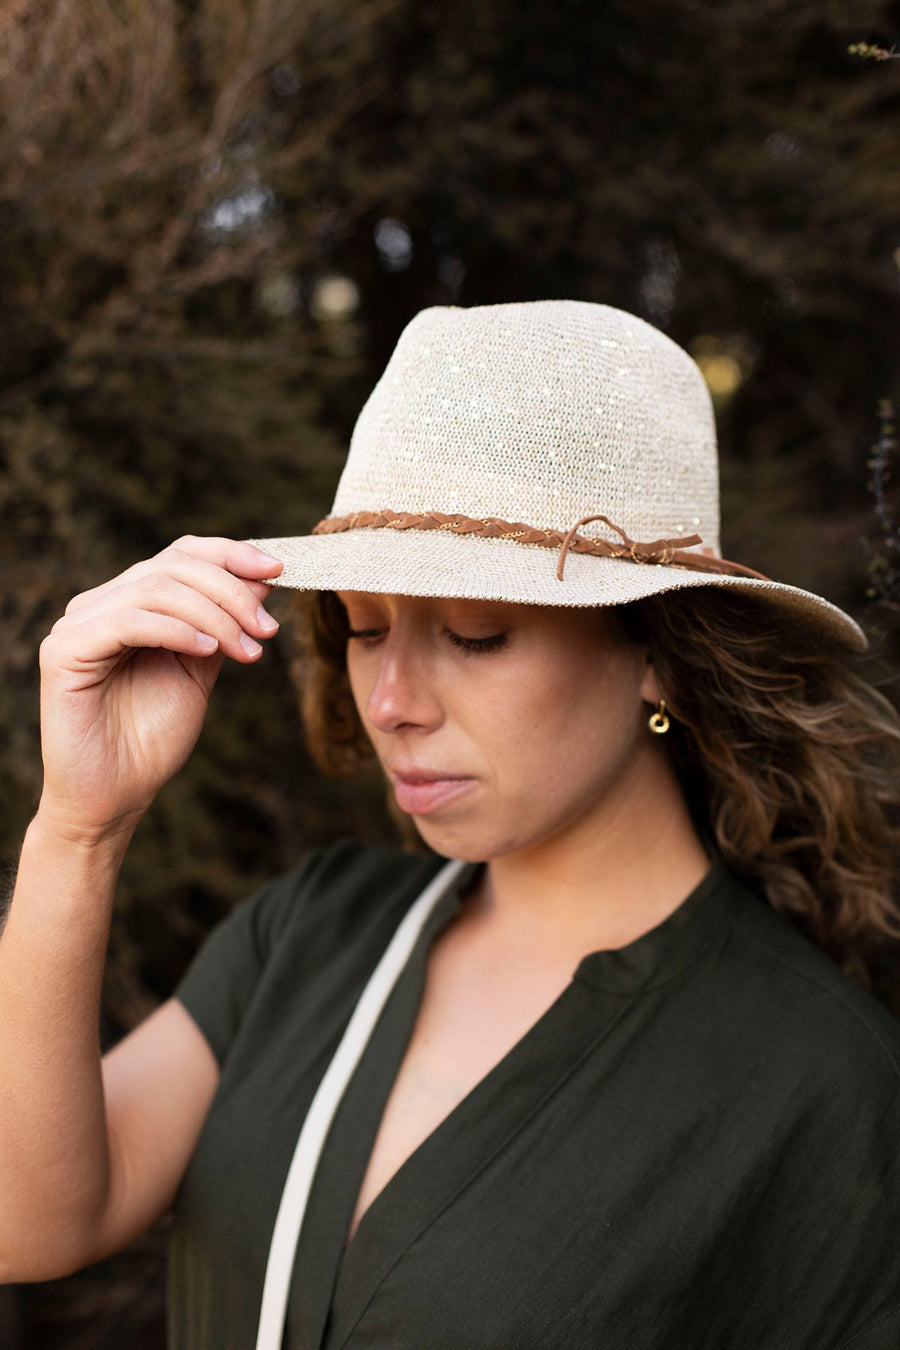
x: 220, y: 982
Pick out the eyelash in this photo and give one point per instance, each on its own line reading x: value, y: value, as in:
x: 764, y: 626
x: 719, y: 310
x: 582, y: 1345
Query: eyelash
x: 472, y: 646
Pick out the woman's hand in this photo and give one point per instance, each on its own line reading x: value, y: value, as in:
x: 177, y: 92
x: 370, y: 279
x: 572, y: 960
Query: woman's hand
x: 127, y: 672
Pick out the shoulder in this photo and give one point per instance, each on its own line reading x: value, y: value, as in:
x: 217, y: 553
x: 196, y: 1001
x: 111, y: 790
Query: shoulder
x: 818, y: 1020
x: 339, y: 907
x: 334, y: 889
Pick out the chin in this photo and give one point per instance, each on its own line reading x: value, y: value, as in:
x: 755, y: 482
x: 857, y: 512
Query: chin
x: 467, y: 842
x: 448, y: 842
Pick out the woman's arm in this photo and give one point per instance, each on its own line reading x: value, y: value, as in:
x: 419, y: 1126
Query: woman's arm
x: 90, y: 1155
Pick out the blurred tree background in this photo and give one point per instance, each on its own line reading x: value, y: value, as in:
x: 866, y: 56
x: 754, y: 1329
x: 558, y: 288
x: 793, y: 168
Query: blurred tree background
x: 216, y: 218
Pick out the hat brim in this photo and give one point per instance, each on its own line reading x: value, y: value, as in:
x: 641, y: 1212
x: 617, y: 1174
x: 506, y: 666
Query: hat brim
x: 440, y: 564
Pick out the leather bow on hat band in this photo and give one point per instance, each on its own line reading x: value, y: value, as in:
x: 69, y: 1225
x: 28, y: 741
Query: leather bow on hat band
x: 661, y: 552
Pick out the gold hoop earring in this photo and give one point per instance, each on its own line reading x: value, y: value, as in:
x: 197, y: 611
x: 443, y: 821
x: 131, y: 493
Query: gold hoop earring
x: 658, y: 722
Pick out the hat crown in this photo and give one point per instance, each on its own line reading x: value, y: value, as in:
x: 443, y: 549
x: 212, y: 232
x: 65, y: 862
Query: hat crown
x: 542, y: 412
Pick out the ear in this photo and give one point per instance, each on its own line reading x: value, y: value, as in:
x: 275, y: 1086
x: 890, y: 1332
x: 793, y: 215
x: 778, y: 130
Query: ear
x: 649, y: 685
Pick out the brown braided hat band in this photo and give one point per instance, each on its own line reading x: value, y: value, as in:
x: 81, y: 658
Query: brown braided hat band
x: 662, y: 552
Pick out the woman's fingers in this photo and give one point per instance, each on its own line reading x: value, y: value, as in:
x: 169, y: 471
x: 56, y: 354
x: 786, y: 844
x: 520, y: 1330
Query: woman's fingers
x: 235, y: 555
x: 222, y: 567
x: 226, y: 610
x: 198, y: 581
x: 102, y: 639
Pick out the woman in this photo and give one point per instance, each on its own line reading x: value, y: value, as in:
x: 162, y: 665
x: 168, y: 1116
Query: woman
x: 583, y: 1085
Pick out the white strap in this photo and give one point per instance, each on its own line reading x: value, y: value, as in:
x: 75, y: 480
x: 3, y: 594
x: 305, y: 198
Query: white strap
x: 300, y: 1175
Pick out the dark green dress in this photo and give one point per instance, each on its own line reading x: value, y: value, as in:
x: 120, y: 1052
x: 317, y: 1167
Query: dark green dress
x: 695, y: 1146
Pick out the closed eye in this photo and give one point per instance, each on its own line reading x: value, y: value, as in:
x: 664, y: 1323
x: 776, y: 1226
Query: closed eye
x: 485, y: 644
x: 492, y: 643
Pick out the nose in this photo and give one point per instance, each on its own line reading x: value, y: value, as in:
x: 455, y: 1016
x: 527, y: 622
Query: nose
x: 404, y: 696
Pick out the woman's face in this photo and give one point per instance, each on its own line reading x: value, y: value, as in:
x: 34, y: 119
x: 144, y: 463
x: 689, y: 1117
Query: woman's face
x: 499, y: 726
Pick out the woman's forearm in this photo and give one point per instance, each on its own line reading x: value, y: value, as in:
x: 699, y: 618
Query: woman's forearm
x: 54, y: 1152
x: 126, y: 675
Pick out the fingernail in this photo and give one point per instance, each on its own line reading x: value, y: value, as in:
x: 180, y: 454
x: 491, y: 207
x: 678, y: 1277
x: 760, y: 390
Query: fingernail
x: 250, y: 645
x: 265, y: 620
x: 206, y: 643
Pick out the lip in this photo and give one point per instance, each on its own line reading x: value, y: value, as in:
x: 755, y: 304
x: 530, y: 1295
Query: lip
x: 419, y: 792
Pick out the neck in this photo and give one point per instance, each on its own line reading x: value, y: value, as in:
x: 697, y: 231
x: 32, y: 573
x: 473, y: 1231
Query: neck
x: 607, y: 880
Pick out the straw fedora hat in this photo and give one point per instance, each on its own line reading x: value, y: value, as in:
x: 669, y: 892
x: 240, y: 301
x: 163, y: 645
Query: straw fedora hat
x: 554, y: 452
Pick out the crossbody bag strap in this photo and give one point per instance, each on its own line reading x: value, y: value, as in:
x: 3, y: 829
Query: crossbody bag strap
x: 298, y: 1184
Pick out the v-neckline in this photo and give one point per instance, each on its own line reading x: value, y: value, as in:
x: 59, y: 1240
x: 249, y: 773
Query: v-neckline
x: 416, y: 973
x: 421, y: 958
x: 336, y: 1277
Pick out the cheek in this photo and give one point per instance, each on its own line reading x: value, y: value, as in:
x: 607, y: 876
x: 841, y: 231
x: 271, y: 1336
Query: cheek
x: 574, y: 734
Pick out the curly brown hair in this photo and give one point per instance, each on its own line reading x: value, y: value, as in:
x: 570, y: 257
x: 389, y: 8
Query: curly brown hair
x: 788, y: 756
